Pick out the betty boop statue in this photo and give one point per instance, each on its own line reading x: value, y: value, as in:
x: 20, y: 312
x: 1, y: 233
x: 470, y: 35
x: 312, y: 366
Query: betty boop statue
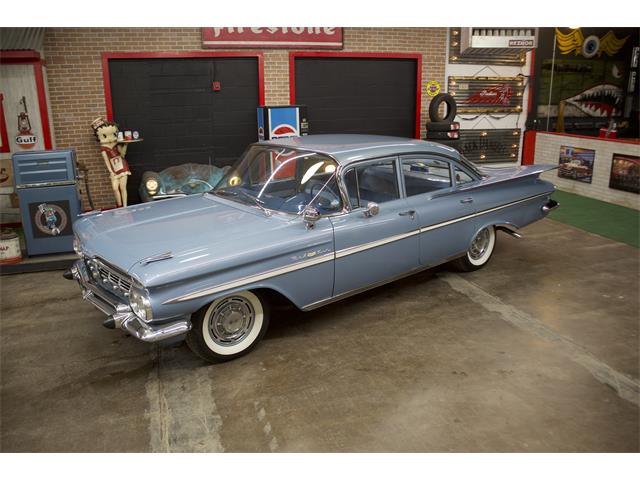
x: 113, y: 155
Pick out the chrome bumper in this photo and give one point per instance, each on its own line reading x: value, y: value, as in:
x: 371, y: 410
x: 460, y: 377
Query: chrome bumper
x: 550, y: 205
x: 121, y: 314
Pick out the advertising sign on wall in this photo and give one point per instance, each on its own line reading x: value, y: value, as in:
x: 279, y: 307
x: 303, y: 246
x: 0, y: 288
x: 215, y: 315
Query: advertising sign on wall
x: 625, y: 173
x: 272, y: 37
x: 576, y: 163
x: 487, y: 94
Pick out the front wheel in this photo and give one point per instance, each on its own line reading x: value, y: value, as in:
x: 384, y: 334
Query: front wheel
x: 228, y: 327
x: 479, y: 252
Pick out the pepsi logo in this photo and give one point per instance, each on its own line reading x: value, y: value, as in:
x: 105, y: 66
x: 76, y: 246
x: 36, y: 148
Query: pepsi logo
x: 283, y: 130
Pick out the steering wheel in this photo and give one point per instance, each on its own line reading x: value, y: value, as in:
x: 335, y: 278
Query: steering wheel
x: 314, y: 187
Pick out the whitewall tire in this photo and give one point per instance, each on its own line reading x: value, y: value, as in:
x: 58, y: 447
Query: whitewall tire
x: 228, y: 327
x: 479, y: 251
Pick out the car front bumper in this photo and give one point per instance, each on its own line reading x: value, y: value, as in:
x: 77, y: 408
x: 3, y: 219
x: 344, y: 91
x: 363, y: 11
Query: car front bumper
x: 120, y: 314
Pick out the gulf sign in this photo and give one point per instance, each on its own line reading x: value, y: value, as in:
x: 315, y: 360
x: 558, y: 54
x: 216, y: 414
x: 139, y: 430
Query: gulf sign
x: 272, y: 37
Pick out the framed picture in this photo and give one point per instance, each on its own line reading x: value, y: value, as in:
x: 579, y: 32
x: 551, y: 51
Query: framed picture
x: 625, y: 173
x: 576, y: 163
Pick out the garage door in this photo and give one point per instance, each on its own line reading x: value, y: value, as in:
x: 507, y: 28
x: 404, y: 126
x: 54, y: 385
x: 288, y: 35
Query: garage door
x: 358, y: 95
x: 171, y: 102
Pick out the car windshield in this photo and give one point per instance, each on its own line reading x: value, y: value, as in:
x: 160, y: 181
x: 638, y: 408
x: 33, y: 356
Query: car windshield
x: 283, y: 180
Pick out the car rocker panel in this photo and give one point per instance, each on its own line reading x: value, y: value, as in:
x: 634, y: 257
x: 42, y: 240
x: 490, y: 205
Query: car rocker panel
x: 286, y: 219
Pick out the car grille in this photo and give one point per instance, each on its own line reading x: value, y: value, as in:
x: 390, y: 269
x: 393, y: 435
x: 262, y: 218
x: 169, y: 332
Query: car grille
x: 109, y: 277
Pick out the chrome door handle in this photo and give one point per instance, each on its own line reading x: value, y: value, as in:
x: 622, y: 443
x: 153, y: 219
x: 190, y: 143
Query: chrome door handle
x: 411, y: 213
x: 467, y: 200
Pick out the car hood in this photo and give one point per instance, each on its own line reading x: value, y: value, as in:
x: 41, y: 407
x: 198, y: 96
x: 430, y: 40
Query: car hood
x: 191, y: 228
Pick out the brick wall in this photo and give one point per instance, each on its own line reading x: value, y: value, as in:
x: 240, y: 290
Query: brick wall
x: 548, y: 151
x: 74, y: 70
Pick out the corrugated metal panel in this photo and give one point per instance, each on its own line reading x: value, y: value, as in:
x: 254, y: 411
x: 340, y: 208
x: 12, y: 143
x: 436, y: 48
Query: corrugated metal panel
x: 29, y: 38
x: 504, y: 57
x: 489, y: 146
x: 487, y: 94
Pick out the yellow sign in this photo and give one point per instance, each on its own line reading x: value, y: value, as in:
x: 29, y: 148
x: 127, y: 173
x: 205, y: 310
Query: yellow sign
x: 432, y: 88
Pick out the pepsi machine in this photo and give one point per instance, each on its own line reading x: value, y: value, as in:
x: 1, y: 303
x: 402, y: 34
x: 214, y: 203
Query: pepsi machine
x: 282, y: 121
x: 45, y: 182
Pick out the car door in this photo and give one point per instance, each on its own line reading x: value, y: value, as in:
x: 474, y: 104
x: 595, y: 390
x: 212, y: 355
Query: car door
x: 444, y: 211
x: 373, y: 247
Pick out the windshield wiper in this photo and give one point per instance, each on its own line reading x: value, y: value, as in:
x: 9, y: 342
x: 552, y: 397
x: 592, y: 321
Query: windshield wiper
x: 257, y: 202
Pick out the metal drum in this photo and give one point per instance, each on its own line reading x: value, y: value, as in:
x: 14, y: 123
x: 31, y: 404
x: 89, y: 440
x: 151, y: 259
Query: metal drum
x: 9, y: 247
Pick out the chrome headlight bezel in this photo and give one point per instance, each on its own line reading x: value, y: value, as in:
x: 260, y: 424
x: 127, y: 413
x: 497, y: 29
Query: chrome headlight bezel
x: 140, y: 303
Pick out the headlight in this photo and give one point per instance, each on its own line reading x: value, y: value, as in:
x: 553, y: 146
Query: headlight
x: 76, y: 246
x: 140, y: 303
x: 152, y: 186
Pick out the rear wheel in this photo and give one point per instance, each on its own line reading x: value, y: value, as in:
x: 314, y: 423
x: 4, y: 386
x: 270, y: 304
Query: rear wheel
x: 228, y: 327
x: 479, y: 252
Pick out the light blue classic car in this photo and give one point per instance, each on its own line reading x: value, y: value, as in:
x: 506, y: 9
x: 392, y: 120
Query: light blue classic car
x: 308, y: 220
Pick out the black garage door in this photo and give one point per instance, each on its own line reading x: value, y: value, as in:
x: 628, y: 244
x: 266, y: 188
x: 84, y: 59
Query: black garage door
x: 173, y: 105
x: 358, y: 95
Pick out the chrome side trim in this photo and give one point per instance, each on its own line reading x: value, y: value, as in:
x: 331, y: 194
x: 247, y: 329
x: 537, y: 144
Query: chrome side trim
x: 252, y: 278
x: 483, y: 212
x: 156, y: 258
x: 366, y: 246
x: 350, y: 293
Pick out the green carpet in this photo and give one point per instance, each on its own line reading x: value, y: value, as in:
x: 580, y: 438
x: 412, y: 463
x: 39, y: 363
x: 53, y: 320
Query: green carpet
x: 606, y: 219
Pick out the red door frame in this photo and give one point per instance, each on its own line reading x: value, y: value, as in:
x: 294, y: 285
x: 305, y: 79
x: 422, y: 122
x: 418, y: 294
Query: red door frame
x: 5, y: 148
x: 106, y: 56
x: 11, y: 57
x: 415, y: 56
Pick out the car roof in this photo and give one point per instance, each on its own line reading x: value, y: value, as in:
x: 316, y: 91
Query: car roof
x: 347, y: 148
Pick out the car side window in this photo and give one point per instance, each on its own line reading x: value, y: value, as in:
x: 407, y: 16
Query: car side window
x: 373, y: 182
x: 462, y: 177
x: 425, y: 175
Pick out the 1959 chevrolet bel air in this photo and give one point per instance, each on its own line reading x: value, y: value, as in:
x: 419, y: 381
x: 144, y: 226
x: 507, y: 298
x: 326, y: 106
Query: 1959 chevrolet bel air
x: 311, y: 220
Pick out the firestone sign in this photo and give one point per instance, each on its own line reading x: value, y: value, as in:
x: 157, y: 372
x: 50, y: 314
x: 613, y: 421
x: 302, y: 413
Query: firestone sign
x: 272, y: 37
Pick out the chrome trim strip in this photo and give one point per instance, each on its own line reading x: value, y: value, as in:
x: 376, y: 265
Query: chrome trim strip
x: 156, y: 258
x: 252, y: 278
x: 366, y: 246
x: 484, y: 212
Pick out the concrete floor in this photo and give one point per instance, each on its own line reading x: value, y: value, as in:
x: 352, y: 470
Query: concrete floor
x: 536, y: 352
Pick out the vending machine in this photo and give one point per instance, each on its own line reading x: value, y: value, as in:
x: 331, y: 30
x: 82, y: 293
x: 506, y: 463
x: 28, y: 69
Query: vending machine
x: 282, y: 121
x: 45, y: 182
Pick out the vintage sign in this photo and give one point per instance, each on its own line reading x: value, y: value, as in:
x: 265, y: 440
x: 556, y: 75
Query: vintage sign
x: 487, y: 94
x: 576, y: 163
x: 272, y: 37
x: 25, y: 138
x: 432, y: 88
x: 50, y: 219
x: 625, y: 173
x: 490, y: 146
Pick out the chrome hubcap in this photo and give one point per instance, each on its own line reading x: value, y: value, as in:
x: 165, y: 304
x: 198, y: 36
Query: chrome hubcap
x: 480, y: 244
x: 231, y: 321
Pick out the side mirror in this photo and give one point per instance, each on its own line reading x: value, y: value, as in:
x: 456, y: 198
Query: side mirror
x: 310, y: 215
x: 372, y: 209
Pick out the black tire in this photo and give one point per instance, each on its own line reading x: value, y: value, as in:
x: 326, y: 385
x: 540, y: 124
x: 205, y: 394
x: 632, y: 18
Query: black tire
x: 453, y: 135
x: 434, y: 106
x: 467, y: 263
x: 443, y: 126
x: 212, y: 350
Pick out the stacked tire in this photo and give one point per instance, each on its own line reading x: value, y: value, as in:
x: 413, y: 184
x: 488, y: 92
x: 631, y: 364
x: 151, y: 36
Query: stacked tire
x: 442, y: 128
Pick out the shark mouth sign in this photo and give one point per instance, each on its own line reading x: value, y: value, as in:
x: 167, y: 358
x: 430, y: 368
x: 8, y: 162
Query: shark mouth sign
x: 603, y: 100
